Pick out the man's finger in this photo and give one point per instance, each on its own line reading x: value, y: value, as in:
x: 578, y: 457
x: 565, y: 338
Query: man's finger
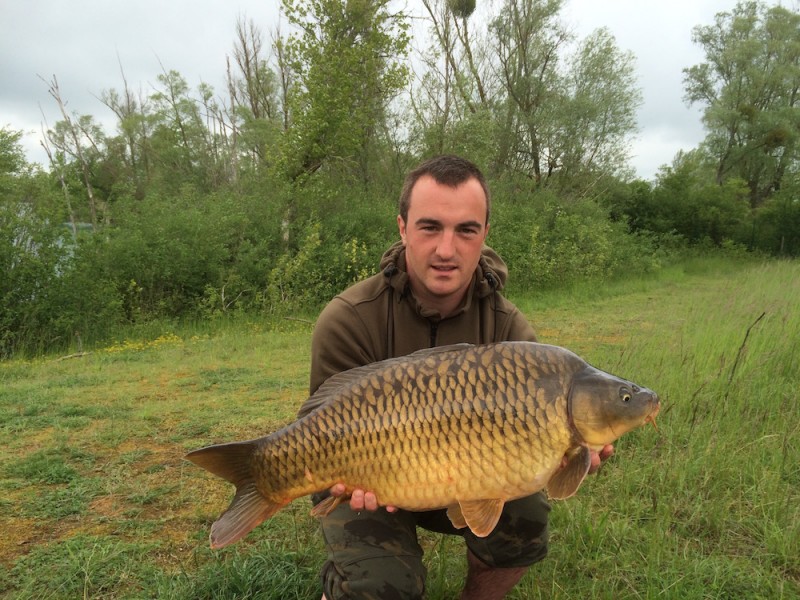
x: 370, y: 501
x: 357, y: 500
x: 606, y: 452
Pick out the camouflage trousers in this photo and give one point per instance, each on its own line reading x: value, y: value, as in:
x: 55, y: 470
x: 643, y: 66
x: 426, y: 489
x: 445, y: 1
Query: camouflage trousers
x: 376, y: 555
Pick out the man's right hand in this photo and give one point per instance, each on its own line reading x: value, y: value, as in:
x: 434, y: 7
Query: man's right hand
x: 360, y: 500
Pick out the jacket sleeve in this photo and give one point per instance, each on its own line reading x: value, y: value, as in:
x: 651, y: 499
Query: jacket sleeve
x: 340, y: 342
x: 512, y: 325
x: 520, y: 330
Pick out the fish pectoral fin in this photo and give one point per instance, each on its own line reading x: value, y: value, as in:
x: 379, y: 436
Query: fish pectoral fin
x: 456, y: 516
x: 566, y: 481
x: 481, y: 516
x: 247, y: 510
x: 324, y: 508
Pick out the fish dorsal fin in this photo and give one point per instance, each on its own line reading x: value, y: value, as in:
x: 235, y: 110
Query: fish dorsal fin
x: 336, y: 383
x: 566, y: 481
x: 480, y: 516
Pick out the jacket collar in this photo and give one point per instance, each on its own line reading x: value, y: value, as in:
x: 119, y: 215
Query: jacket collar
x: 490, y: 277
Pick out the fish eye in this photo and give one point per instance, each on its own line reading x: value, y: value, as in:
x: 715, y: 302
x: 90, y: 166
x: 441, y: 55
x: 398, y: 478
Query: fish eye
x: 624, y: 395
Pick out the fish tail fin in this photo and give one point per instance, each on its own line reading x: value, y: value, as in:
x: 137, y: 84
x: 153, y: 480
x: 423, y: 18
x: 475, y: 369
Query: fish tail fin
x: 249, y: 507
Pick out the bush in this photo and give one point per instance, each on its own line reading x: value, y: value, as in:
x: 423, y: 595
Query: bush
x: 546, y: 243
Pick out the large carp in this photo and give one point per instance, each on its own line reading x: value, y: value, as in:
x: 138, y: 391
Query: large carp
x: 463, y: 427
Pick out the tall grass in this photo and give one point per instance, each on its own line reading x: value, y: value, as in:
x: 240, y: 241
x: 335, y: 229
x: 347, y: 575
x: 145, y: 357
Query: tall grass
x: 96, y: 500
x: 708, y: 506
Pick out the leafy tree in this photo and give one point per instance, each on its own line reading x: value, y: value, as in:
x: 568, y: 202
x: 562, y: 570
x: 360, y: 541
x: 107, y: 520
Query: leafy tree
x: 179, y: 141
x: 776, y: 224
x: 600, y: 113
x: 34, y: 252
x: 12, y: 156
x: 129, y: 153
x: 750, y: 86
x: 259, y: 109
x: 686, y: 202
x: 350, y: 62
x: 524, y: 97
x: 529, y: 43
x: 566, y: 115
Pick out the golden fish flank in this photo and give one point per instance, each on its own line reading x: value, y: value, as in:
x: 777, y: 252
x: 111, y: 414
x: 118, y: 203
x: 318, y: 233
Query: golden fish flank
x: 462, y: 427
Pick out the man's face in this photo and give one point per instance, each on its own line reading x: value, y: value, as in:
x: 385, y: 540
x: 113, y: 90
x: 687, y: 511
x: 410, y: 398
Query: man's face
x: 443, y: 237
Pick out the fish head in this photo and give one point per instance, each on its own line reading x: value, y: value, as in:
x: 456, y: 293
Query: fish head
x: 603, y: 407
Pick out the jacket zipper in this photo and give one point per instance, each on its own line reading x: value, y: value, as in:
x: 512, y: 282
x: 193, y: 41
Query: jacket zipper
x: 434, y: 330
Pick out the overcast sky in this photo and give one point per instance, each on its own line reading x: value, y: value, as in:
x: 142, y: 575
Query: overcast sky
x: 84, y: 42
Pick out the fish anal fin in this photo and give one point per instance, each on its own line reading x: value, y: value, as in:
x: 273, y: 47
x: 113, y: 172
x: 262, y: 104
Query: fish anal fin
x: 481, y: 516
x: 324, y: 508
x: 456, y: 517
x: 248, y: 509
x: 566, y: 481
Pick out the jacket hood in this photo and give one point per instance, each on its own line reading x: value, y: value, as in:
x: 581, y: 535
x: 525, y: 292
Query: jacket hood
x: 492, y: 272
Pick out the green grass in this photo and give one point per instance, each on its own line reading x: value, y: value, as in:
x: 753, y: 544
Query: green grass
x: 96, y: 500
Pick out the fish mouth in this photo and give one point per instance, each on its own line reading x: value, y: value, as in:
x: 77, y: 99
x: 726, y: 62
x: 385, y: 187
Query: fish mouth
x: 651, y: 418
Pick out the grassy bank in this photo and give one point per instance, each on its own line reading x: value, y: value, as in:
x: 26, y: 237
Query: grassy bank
x: 97, y: 501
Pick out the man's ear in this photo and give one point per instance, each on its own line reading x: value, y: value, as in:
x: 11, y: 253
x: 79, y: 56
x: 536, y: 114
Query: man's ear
x: 401, y: 227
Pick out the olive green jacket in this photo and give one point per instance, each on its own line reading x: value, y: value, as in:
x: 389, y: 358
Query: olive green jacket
x: 379, y: 318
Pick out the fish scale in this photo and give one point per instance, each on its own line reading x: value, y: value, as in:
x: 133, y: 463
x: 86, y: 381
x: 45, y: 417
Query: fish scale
x: 462, y: 427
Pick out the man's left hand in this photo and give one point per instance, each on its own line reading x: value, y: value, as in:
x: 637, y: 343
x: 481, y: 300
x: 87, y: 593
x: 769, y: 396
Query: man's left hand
x: 360, y: 500
x: 599, y: 457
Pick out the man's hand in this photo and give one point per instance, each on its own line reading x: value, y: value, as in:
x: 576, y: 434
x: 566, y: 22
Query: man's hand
x: 360, y: 500
x: 599, y: 457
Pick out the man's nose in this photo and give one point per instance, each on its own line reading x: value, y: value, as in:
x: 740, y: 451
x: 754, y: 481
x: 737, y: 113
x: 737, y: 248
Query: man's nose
x: 446, y: 247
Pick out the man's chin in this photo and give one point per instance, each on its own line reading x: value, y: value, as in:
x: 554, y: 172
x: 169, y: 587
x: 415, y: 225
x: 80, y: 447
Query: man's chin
x: 442, y: 289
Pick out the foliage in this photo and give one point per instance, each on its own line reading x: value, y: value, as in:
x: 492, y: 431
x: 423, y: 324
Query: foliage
x: 332, y: 252
x: 776, y: 225
x: 283, y: 193
x: 570, y: 120
x: 686, y: 204
x: 349, y: 59
x: 748, y: 85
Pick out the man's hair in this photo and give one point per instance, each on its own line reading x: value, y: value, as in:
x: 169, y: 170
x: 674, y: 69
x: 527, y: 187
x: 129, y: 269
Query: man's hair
x: 447, y: 169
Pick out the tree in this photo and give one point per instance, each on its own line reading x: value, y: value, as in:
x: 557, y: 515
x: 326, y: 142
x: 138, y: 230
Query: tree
x: 79, y: 138
x: 565, y: 115
x: 181, y: 144
x: 600, y: 113
x: 750, y: 86
x: 524, y: 97
x: 131, y: 149
x: 349, y: 57
x: 528, y: 41
x: 255, y: 98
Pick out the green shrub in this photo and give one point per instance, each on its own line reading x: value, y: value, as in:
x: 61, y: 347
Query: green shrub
x: 547, y: 243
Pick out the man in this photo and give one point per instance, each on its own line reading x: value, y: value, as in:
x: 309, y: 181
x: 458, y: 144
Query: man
x: 439, y: 285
